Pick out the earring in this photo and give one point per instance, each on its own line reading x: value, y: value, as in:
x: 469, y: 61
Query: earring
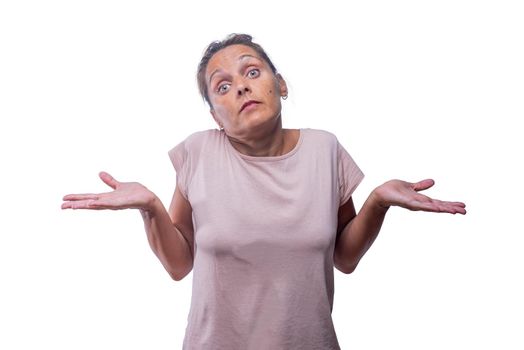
x: 284, y: 97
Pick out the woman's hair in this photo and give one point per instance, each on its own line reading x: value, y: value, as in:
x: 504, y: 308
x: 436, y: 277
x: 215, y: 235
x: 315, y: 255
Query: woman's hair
x: 215, y: 46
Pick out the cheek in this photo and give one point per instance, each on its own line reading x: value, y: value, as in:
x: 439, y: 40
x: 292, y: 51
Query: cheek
x: 221, y: 104
x: 274, y: 88
x: 220, y: 112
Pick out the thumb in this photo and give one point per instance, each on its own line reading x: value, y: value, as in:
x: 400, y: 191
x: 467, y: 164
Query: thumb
x: 423, y: 185
x: 108, y: 179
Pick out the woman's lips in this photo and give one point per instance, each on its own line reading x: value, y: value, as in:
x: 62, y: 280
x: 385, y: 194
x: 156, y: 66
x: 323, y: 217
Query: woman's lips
x: 247, y: 104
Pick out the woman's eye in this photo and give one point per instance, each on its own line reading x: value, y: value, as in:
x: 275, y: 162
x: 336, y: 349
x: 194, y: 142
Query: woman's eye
x: 223, y: 88
x: 253, y: 73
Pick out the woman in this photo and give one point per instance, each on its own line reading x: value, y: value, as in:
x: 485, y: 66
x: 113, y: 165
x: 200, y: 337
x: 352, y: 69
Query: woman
x: 261, y: 214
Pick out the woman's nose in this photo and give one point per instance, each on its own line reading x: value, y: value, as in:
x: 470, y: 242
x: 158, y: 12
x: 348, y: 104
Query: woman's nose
x: 242, y: 90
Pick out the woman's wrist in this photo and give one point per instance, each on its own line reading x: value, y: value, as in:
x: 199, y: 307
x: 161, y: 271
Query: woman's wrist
x: 378, y: 199
x: 151, y: 204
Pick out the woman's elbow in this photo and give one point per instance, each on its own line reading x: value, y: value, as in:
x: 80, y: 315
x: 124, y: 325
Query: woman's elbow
x: 346, y: 268
x: 179, y: 275
x: 176, y: 277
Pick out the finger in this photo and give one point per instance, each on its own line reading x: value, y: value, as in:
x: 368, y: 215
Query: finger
x: 455, y: 207
x: 459, y: 211
x: 458, y: 204
x: 452, y: 210
x: 423, y: 185
x: 435, y: 205
x: 83, y: 204
x: 91, y: 204
x: 423, y: 198
x: 449, y: 207
x: 108, y: 179
x: 111, y: 203
x: 80, y: 196
x: 100, y: 205
x: 455, y: 204
x: 423, y: 205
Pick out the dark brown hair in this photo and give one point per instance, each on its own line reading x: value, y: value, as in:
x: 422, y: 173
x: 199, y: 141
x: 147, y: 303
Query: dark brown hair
x: 215, y: 46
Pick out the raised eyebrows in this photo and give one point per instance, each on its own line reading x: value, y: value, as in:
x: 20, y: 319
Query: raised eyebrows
x: 240, y: 58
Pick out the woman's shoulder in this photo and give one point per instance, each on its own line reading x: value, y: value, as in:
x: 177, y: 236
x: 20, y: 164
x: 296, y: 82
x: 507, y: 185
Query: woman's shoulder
x: 200, y: 137
x: 318, y: 136
x: 195, y: 142
x: 320, y: 132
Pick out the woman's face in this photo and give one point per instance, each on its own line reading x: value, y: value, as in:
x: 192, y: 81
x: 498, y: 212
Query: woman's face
x: 243, y: 91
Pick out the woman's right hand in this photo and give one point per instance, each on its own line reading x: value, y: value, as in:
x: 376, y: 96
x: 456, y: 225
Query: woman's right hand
x: 126, y: 195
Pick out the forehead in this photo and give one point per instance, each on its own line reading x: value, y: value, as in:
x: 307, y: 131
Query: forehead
x: 229, y: 57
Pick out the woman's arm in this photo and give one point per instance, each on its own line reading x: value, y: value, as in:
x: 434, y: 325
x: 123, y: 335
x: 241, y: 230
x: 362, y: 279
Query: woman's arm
x: 355, y: 238
x: 361, y: 230
x: 170, y: 238
x: 170, y: 235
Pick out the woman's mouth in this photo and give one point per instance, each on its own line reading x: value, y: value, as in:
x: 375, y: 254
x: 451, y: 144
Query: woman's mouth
x: 248, y: 105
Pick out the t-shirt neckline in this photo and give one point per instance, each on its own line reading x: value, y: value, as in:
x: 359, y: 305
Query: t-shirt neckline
x: 268, y: 158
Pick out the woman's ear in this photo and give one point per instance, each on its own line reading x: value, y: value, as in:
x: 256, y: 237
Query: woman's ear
x: 282, y: 85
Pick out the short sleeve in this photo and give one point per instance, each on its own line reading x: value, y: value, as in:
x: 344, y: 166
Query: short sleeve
x: 349, y: 174
x: 179, y: 158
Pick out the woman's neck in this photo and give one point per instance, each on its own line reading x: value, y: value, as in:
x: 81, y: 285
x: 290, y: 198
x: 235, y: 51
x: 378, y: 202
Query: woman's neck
x: 275, y: 142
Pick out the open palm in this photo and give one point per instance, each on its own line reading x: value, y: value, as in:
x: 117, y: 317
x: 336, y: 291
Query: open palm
x: 126, y: 195
x: 405, y: 194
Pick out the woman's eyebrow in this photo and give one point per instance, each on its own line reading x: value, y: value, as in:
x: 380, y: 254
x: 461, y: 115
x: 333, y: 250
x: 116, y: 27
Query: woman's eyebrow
x: 214, y: 72
x: 239, y: 58
x: 248, y: 56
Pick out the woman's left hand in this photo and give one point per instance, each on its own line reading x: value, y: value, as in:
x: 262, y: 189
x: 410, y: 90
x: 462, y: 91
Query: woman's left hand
x: 405, y: 194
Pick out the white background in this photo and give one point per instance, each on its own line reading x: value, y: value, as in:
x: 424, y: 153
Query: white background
x: 412, y: 89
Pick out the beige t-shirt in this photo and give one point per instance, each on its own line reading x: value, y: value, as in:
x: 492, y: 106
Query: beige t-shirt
x: 265, y: 230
